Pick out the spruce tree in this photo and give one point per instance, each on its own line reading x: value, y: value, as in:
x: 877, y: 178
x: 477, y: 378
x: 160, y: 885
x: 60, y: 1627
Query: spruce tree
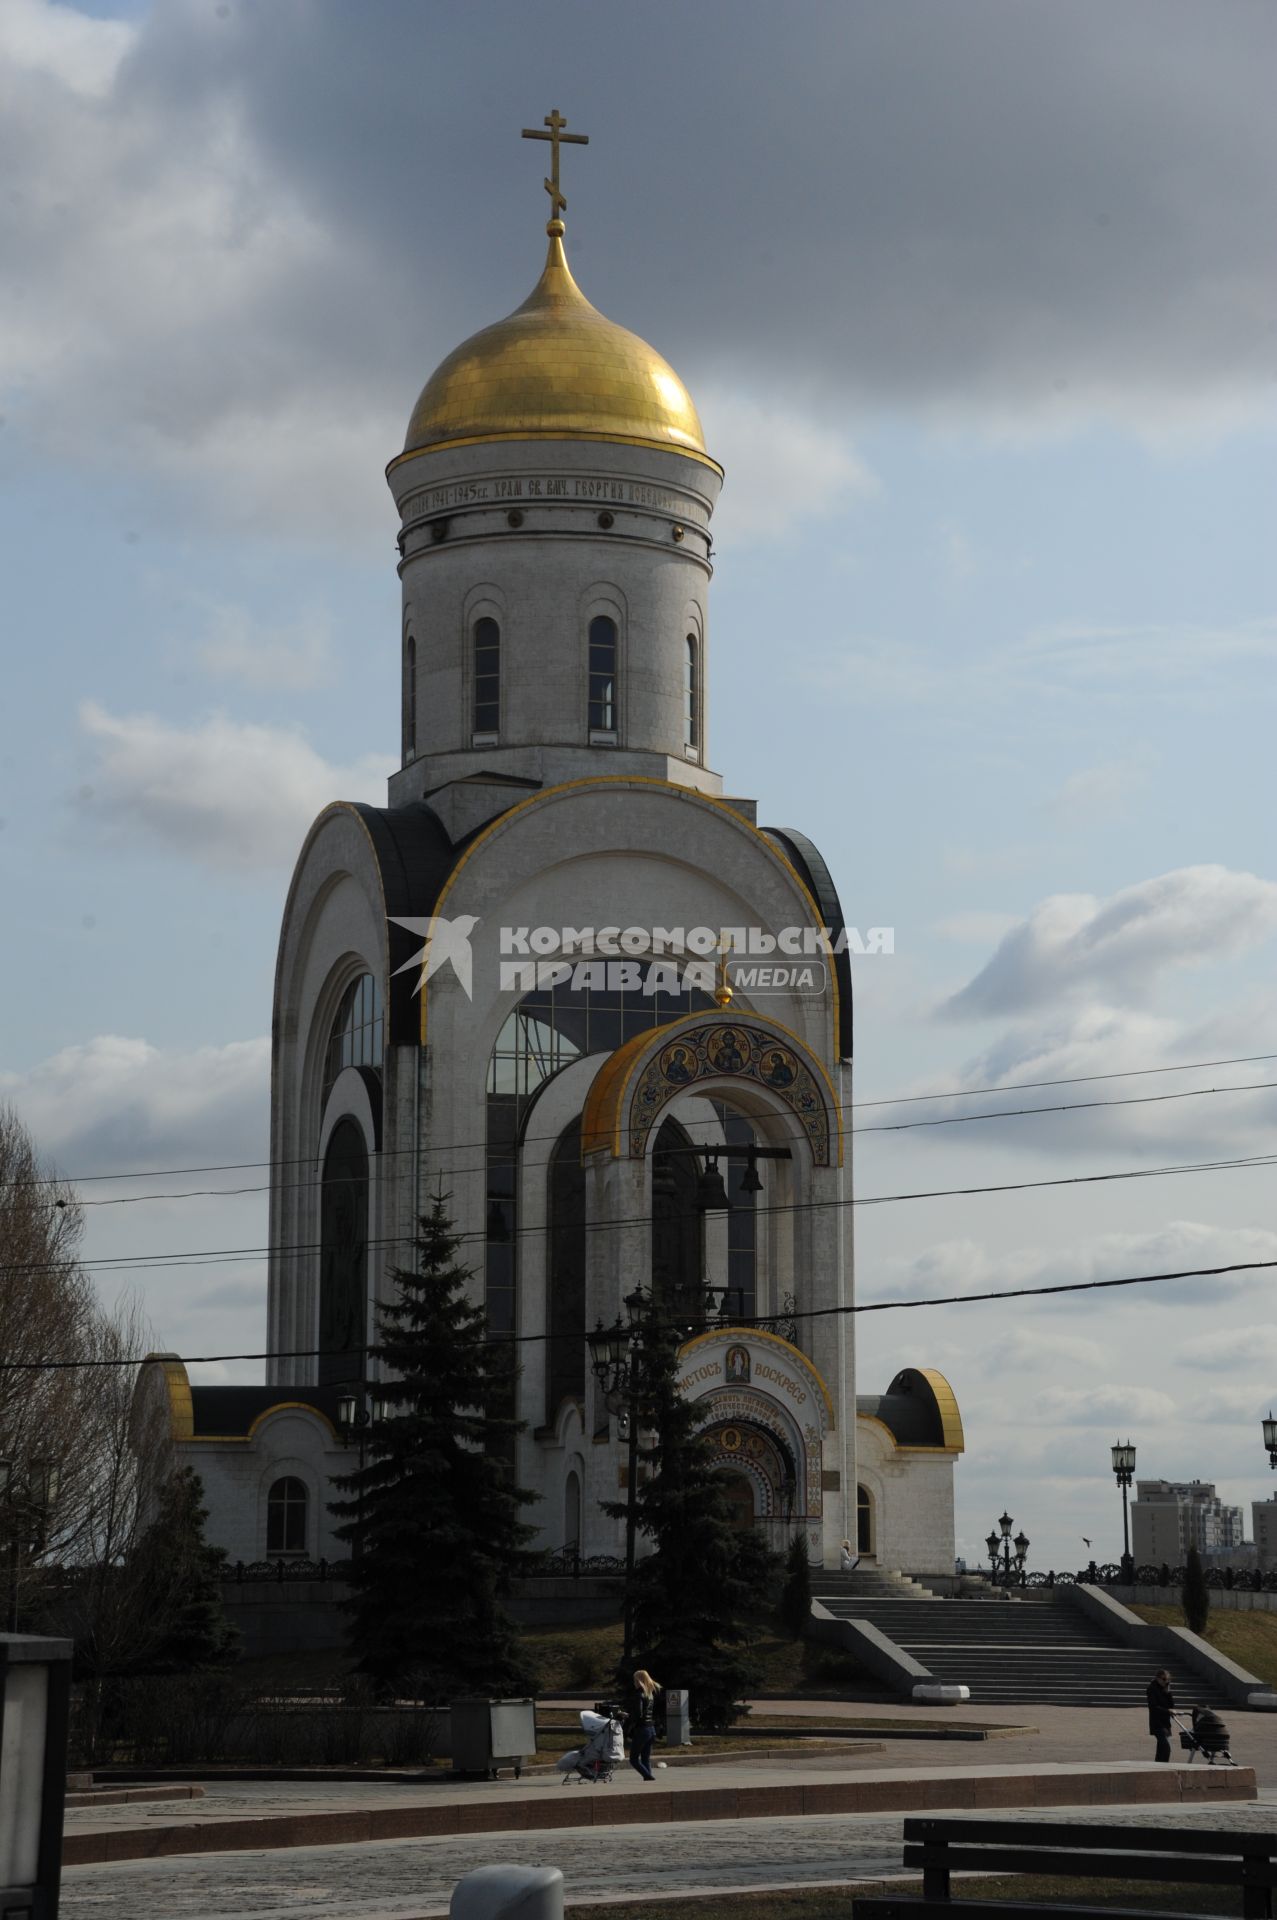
x: 175, y: 1580
x: 795, y: 1596
x: 433, y: 1516
x: 1195, y: 1594
x: 698, y: 1597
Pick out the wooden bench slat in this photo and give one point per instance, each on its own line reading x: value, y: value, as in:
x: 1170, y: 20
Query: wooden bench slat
x: 910, y: 1906
x: 1088, y: 1866
x: 1032, y: 1833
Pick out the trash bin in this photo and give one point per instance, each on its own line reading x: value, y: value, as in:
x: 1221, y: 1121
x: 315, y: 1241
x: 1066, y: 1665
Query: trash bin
x: 488, y: 1734
x: 678, y: 1717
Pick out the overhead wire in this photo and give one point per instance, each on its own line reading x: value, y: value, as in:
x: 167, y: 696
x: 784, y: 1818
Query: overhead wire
x: 813, y: 1313
x: 226, y: 1256
x: 955, y: 1093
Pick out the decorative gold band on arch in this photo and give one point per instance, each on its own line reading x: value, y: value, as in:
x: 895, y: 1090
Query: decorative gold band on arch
x: 642, y: 1077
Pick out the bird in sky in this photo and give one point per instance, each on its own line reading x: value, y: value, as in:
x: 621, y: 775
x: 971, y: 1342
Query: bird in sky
x: 1085, y: 1541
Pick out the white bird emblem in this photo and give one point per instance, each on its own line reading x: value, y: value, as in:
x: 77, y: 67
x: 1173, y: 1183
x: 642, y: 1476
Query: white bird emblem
x: 445, y: 941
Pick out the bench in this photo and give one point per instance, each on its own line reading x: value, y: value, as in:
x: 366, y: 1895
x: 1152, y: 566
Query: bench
x: 941, y: 1848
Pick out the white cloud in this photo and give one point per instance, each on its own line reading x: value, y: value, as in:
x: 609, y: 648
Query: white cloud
x: 40, y: 38
x: 963, y: 1266
x: 233, y: 794
x: 1101, y: 1406
x: 1075, y: 947
x: 115, y: 1103
x: 1183, y: 656
x: 977, y: 926
x: 295, y: 656
x: 783, y: 467
x: 1102, y: 791
x: 1235, y: 1349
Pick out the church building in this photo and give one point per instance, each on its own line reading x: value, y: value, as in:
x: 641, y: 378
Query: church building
x: 566, y: 980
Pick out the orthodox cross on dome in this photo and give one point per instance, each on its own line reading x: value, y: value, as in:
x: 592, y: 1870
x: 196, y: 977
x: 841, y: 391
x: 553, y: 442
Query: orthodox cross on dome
x: 555, y: 121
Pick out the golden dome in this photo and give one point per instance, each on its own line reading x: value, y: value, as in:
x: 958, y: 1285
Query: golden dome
x: 556, y: 369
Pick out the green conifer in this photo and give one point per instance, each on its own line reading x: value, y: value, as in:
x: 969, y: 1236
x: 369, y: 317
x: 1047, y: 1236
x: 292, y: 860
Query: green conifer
x: 699, y: 1596
x: 1195, y: 1594
x: 433, y: 1516
x: 176, y: 1580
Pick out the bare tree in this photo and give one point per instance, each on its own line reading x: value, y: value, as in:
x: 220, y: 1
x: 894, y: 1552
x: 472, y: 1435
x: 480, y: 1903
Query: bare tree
x: 68, y: 1376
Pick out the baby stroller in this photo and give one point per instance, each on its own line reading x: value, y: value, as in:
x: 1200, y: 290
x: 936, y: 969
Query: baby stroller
x: 604, y: 1749
x: 1207, y: 1735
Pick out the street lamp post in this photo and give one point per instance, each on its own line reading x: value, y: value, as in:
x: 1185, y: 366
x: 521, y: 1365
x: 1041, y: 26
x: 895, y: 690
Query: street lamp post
x: 1007, y: 1556
x: 1124, y: 1469
x: 616, y: 1360
x: 357, y: 1411
x: 1270, y: 1438
x: 26, y: 1502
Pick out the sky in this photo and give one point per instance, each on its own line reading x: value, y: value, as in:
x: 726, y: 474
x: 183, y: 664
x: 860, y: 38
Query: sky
x: 977, y: 304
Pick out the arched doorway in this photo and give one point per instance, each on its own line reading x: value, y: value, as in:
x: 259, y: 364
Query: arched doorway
x: 740, y: 1498
x: 343, y: 1257
x: 864, y: 1521
x: 572, y: 1511
x: 678, y: 1258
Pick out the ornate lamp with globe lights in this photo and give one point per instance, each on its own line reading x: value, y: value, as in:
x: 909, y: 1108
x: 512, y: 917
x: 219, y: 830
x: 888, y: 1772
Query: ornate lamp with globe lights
x: 1270, y: 1438
x: 1124, y: 1470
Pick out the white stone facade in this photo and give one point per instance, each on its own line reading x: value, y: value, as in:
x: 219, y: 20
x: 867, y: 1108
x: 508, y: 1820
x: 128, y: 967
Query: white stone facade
x: 472, y: 1077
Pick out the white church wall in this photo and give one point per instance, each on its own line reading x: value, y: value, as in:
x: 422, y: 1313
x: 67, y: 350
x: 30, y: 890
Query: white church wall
x: 237, y: 1476
x: 650, y: 563
x: 911, y: 1490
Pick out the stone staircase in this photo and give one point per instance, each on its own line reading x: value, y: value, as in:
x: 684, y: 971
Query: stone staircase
x: 1038, y: 1651
x: 867, y: 1583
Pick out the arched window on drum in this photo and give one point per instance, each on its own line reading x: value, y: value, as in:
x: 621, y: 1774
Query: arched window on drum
x: 486, y: 679
x: 604, y: 645
x: 692, y: 696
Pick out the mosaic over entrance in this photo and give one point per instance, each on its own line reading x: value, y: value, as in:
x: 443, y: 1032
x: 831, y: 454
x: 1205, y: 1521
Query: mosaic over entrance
x: 735, y: 1050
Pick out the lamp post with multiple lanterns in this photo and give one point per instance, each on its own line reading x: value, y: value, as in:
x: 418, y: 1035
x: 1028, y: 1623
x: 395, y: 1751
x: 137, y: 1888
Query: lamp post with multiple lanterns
x: 1270, y: 1438
x: 617, y: 1358
x: 1007, y: 1556
x: 1124, y: 1469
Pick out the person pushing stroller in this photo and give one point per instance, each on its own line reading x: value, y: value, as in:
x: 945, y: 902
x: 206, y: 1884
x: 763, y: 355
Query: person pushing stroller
x: 1207, y: 1735
x: 603, y: 1752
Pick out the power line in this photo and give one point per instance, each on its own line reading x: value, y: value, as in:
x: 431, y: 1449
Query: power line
x: 227, y: 1256
x: 900, y: 1126
x: 957, y: 1093
x: 815, y: 1313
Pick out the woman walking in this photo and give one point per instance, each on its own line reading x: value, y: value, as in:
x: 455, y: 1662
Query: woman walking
x: 643, y: 1723
x: 1161, y: 1703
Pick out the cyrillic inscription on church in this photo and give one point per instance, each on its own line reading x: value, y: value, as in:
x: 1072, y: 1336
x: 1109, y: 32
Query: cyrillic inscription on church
x: 503, y: 488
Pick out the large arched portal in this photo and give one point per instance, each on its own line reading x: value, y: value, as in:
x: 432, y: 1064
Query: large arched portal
x: 343, y: 1258
x: 757, y: 1471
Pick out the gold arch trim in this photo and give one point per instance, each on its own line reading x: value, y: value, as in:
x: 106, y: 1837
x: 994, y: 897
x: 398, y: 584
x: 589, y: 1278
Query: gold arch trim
x: 669, y: 786
x: 177, y: 1382
x: 603, y: 1122
x: 947, y: 1402
x: 735, y: 1335
x: 555, y: 433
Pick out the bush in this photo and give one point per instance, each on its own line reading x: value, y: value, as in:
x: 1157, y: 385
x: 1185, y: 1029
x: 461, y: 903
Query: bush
x: 1195, y: 1594
x: 795, y: 1596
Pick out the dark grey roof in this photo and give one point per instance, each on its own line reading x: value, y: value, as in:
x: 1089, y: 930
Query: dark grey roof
x: 909, y: 1408
x: 810, y: 863
x: 231, y: 1411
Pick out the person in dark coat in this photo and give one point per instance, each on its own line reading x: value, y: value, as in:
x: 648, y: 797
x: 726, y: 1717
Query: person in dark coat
x: 1161, y: 1704
x: 644, y: 1723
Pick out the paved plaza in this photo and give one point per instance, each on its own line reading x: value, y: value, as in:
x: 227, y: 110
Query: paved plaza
x: 411, y: 1879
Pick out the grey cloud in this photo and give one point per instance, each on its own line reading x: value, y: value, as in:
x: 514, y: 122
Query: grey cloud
x: 277, y: 221
x: 1073, y: 947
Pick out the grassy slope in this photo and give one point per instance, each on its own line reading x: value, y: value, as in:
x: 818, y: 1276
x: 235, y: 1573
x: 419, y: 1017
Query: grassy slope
x: 1248, y: 1638
x: 584, y: 1659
